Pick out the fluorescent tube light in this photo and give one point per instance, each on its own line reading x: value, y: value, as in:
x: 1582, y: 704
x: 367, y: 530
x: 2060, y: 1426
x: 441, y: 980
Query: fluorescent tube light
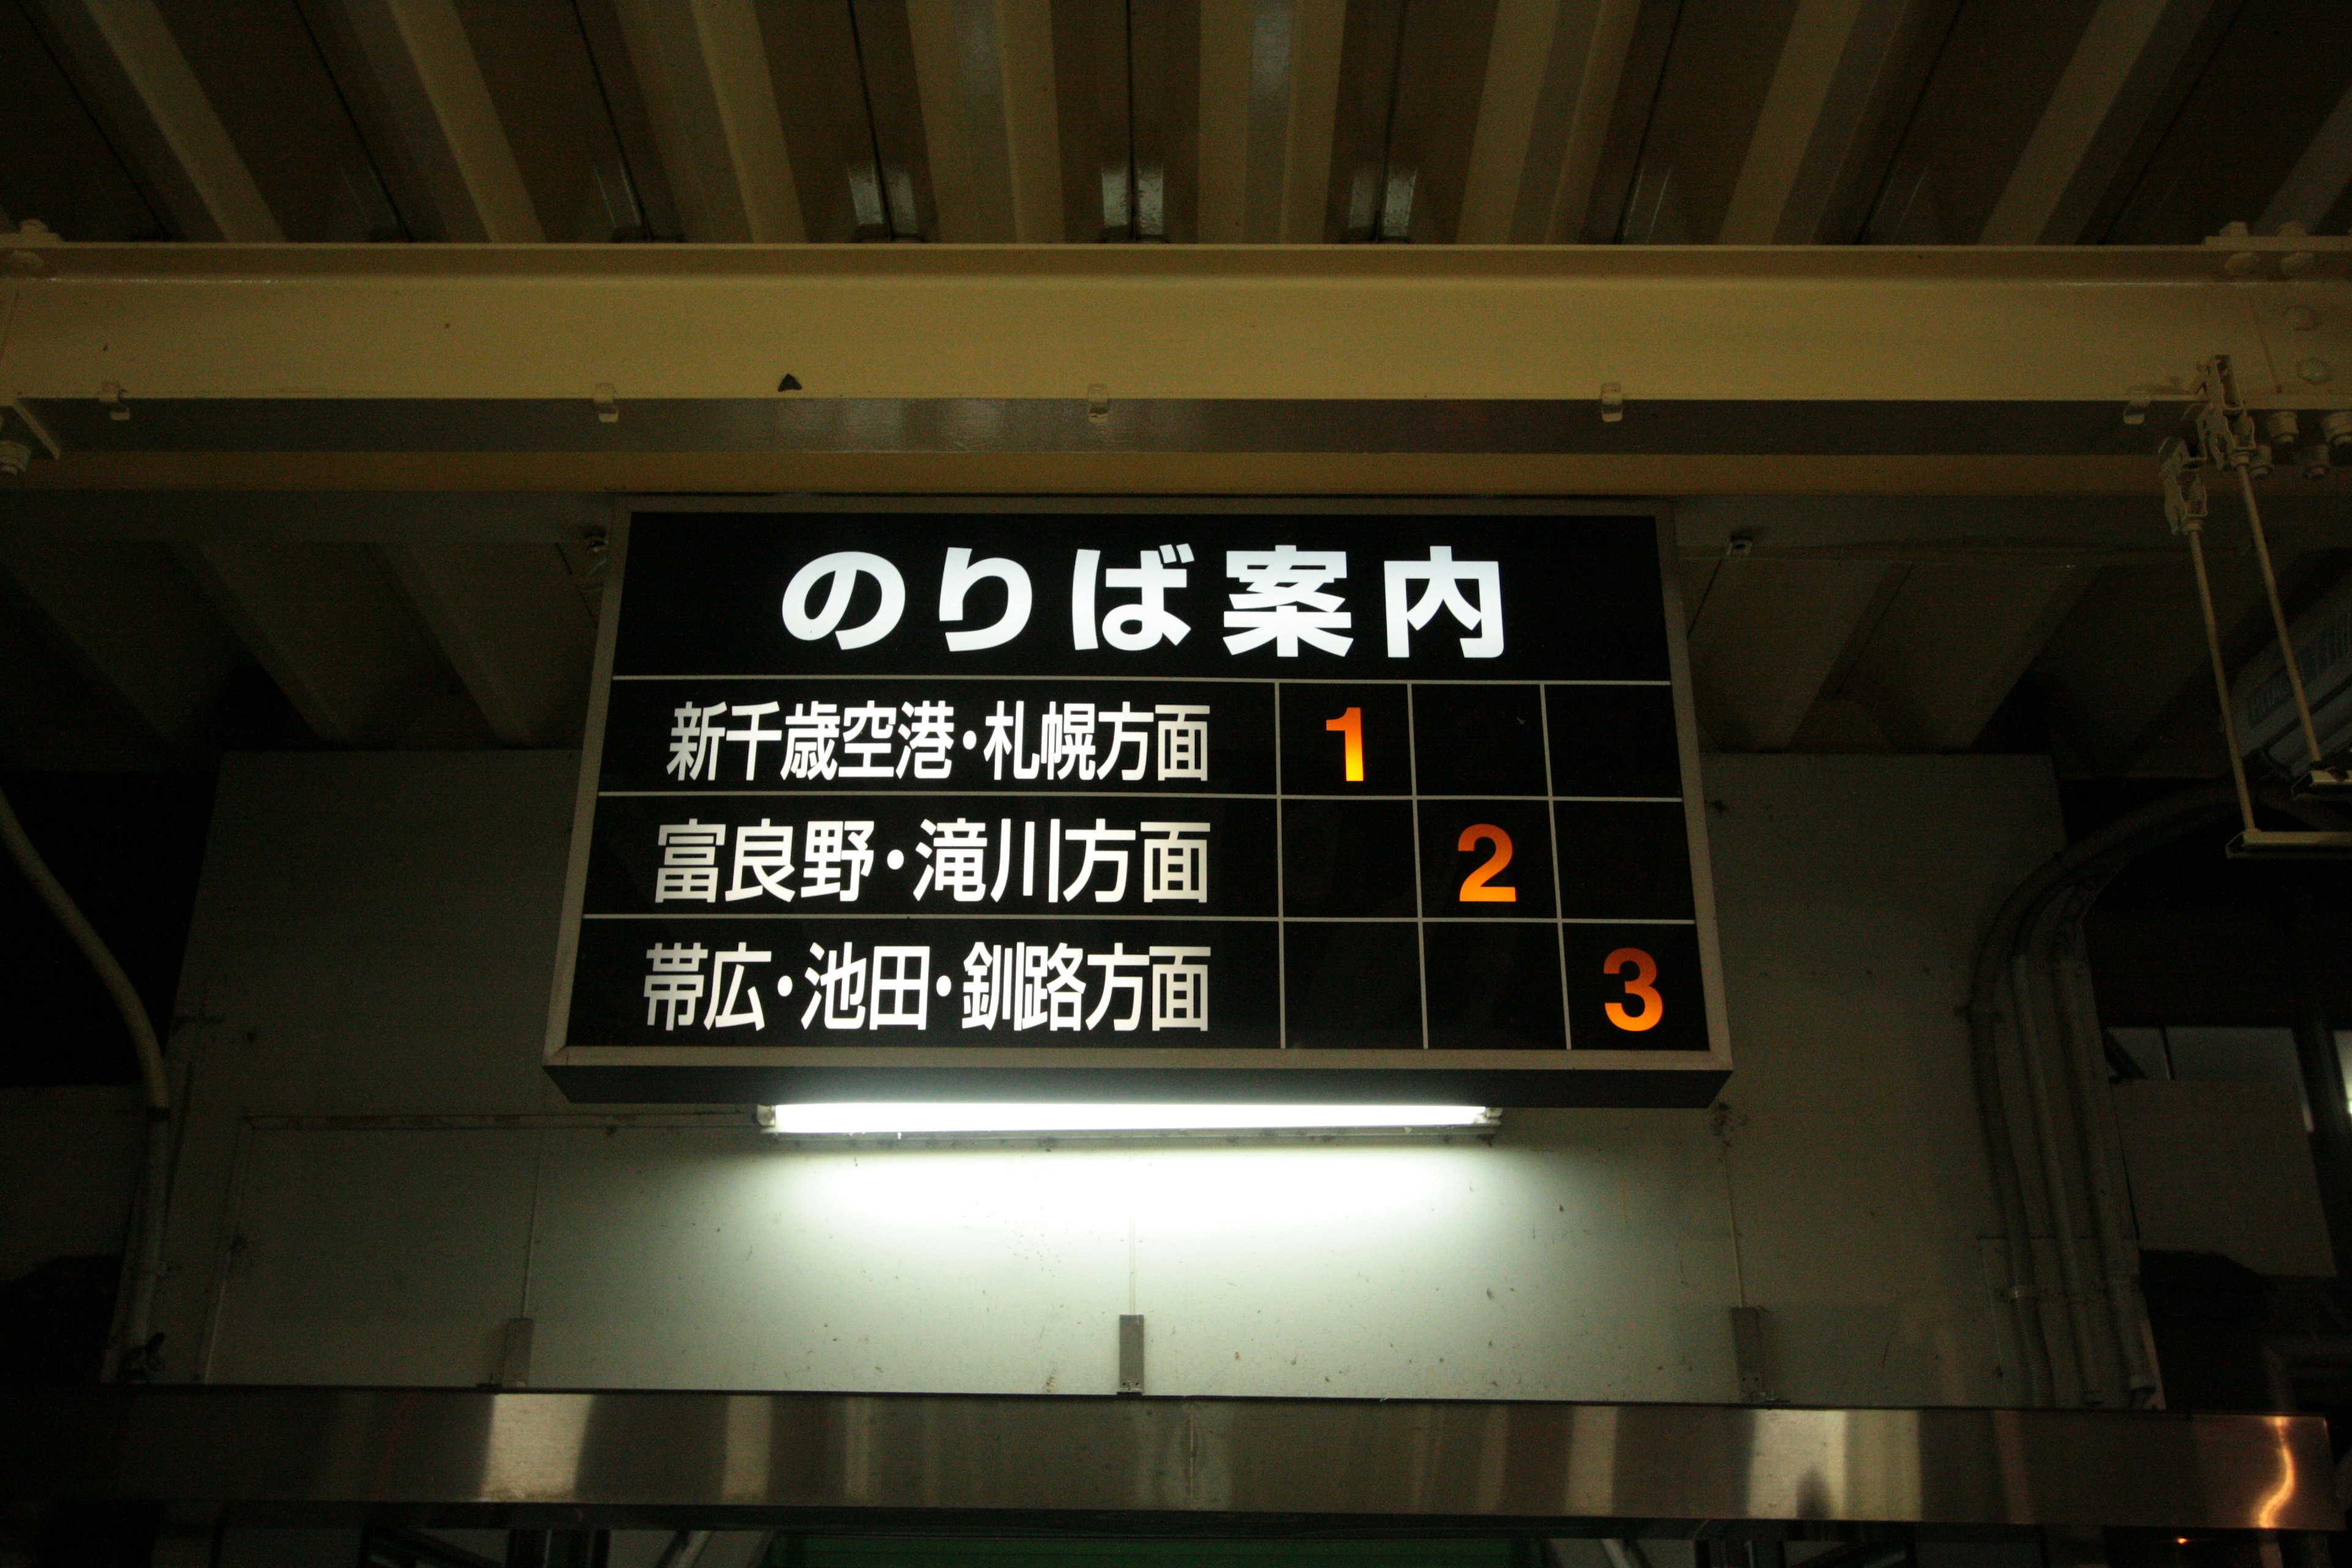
x: 851, y: 1119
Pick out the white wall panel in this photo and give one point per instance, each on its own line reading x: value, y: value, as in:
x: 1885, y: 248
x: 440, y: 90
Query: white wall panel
x: 749, y: 1267
x: 374, y: 1257
x: 374, y: 937
x: 1853, y: 892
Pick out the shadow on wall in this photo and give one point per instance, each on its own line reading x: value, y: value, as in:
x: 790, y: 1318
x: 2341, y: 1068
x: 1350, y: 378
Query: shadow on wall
x: 54, y: 1323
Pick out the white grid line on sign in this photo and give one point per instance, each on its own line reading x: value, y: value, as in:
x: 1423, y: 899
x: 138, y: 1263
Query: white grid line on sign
x: 1107, y: 794
x: 1083, y: 917
x: 1090, y: 678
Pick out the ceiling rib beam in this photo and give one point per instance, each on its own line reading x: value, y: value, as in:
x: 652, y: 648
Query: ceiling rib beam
x: 1232, y: 86
x: 1269, y: 86
x: 1952, y: 645
x: 1032, y: 131
x: 153, y: 101
x: 2126, y: 657
x: 1768, y: 637
x: 1522, y: 57
x: 984, y: 72
x: 2110, y: 86
x: 2318, y: 180
x: 1317, y: 29
x: 1830, y: 86
x: 327, y: 623
x: 512, y: 625
x: 703, y: 67
x: 423, y: 66
x: 1590, y: 111
x: 137, y: 624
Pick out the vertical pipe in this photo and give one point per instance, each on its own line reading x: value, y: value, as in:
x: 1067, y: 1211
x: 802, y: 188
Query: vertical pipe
x: 2078, y: 1020
x: 2196, y: 532
x: 2031, y: 1036
x: 2278, y: 614
x: 2009, y: 1197
x: 2322, y: 1076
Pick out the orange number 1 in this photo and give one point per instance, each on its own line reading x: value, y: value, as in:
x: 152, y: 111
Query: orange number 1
x: 1351, y: 725
x: 1642, y: 988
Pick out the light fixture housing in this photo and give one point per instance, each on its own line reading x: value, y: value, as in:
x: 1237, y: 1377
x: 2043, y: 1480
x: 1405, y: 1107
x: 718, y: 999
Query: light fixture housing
x: 934, y: 1120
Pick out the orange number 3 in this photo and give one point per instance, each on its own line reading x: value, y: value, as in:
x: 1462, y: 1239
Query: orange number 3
x: 1642, y: 988
x: 1478, y: 886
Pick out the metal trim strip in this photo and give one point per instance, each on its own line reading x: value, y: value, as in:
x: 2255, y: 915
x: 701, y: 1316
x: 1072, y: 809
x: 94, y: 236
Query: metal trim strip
x: 1651, y: 427
x: 636, y: 1453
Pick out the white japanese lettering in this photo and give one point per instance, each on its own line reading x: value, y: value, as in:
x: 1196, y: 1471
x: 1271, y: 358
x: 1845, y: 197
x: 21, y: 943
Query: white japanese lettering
x: 1446, y: 576
x: 1175, y: 864
x: 843, y: 568
x: 1283, y: 601
x: 957, y: 580
x: 674, y: 985
x: 689, y: 868
x: 764, y: 862
x: 733, y: 1004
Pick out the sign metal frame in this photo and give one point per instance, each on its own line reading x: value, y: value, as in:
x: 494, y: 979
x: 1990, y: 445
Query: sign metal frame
x: 733, y: 1074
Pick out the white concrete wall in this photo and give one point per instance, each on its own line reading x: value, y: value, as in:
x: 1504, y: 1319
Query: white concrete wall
x: 374, y: 935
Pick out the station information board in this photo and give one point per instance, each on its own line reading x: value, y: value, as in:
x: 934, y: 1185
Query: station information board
x: 1052, y: 803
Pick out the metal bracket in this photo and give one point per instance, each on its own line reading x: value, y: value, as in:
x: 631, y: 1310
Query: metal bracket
x: 16, y: 450
x: 2262, y: 844
x: 1131, y: 1352
x: 2225, y: 430
x: 1747, y: 1355
x: 2186, y: 504
x: 514, y: 1353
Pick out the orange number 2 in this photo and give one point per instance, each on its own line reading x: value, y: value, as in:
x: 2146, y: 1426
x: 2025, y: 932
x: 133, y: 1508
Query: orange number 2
x: 1476, y: 888
x: 1642, y: 988
x: 1351, y: 725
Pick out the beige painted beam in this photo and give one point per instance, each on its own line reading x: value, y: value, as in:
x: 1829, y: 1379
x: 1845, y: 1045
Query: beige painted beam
x: 703, y: 69
x: 153, y: 103
x: 2047, y: 324
x: 423, y: 66
x: 329, y: 625
x: 136, y: 623
x: 2117, y: 72
x: 1112, y: 473
x: 1827, y: 91
x: 512, y: 625
x: 2318, y: 180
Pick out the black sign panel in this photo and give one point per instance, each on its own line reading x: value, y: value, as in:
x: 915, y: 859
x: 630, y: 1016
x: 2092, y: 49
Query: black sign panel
x: 1243, y: 804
